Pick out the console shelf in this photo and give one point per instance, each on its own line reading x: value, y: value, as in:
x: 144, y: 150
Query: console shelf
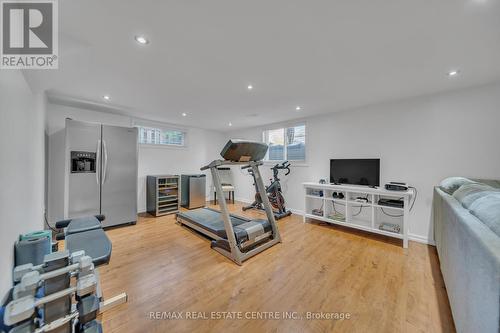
x: 346, y: 210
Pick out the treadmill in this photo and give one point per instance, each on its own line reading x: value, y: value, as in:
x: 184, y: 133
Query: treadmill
x: 236, y: 237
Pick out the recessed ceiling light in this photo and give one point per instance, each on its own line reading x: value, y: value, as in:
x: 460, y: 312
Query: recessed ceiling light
x: 250, y: 87
x: 453, y: 73
x: 230, y: 124
x: 106, y: 97
x: 184, y: 114
x: 298, y: 108
x: 141, y: 40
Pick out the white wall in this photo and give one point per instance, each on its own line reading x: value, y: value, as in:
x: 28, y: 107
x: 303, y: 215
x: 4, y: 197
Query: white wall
x: 202, y: 147
x: 420, y: 141
x: 22, y: 122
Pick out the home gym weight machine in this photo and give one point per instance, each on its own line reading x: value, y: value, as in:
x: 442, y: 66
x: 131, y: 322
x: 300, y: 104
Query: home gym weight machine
x: 273, y: 191
x: 233, y: 236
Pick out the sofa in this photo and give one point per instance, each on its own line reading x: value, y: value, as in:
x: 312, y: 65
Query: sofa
x: 466, y: 220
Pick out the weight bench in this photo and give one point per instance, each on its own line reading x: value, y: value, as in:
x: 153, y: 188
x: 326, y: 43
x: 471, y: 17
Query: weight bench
x: 77, y: 225
x: 86, y: 234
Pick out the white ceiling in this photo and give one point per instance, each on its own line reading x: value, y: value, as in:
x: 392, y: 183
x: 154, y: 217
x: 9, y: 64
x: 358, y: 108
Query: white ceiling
x: 322, y: 55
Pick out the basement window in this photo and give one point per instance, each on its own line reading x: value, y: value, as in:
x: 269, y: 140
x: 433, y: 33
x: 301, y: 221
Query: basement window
x: 162, y: 137
x: 286, y: 144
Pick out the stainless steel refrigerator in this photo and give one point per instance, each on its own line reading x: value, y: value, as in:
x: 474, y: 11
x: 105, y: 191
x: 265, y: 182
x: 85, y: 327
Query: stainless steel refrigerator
x: 101, y: 172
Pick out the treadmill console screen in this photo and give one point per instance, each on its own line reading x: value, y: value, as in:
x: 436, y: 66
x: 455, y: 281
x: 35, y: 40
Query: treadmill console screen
x: 244, y: 151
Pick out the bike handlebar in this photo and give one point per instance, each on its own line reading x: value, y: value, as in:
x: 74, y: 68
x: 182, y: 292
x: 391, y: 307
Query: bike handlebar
x: 283, y: 166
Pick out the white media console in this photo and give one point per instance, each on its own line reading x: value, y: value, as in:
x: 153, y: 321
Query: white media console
x: 351, y: 212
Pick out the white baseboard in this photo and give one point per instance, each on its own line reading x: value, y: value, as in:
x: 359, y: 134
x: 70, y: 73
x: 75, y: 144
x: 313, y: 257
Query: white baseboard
x: 247, y: 201
x: 421, y: 239
x: 296, y: 211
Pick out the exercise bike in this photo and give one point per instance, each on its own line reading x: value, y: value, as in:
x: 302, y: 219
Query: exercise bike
x: 273, y: 191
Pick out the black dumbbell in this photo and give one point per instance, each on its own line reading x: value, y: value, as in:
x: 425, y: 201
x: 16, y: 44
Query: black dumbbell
x: 87, y: 307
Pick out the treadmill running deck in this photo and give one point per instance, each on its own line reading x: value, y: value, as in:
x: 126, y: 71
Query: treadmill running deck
x: 211, y: 220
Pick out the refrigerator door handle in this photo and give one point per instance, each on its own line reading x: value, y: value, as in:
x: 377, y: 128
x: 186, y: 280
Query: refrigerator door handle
x: 98, y: 161
x: 105, y: 167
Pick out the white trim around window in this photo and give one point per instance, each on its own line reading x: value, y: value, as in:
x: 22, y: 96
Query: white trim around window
x: 153, y: 136
x: 278, y: 139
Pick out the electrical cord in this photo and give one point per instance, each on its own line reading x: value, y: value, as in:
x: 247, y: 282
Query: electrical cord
x: 47, y: 223
x: 415, y: 198
x: 359, y: 212
x: 334, y: 209
x: 390, y: 215
x: 411, y: 206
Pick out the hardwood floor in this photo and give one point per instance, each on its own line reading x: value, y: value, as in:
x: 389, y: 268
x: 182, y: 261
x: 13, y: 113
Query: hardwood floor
x: 168, y: 269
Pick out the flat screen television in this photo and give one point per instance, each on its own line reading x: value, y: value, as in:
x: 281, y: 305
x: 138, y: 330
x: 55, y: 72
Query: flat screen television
x: 355, y: 171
